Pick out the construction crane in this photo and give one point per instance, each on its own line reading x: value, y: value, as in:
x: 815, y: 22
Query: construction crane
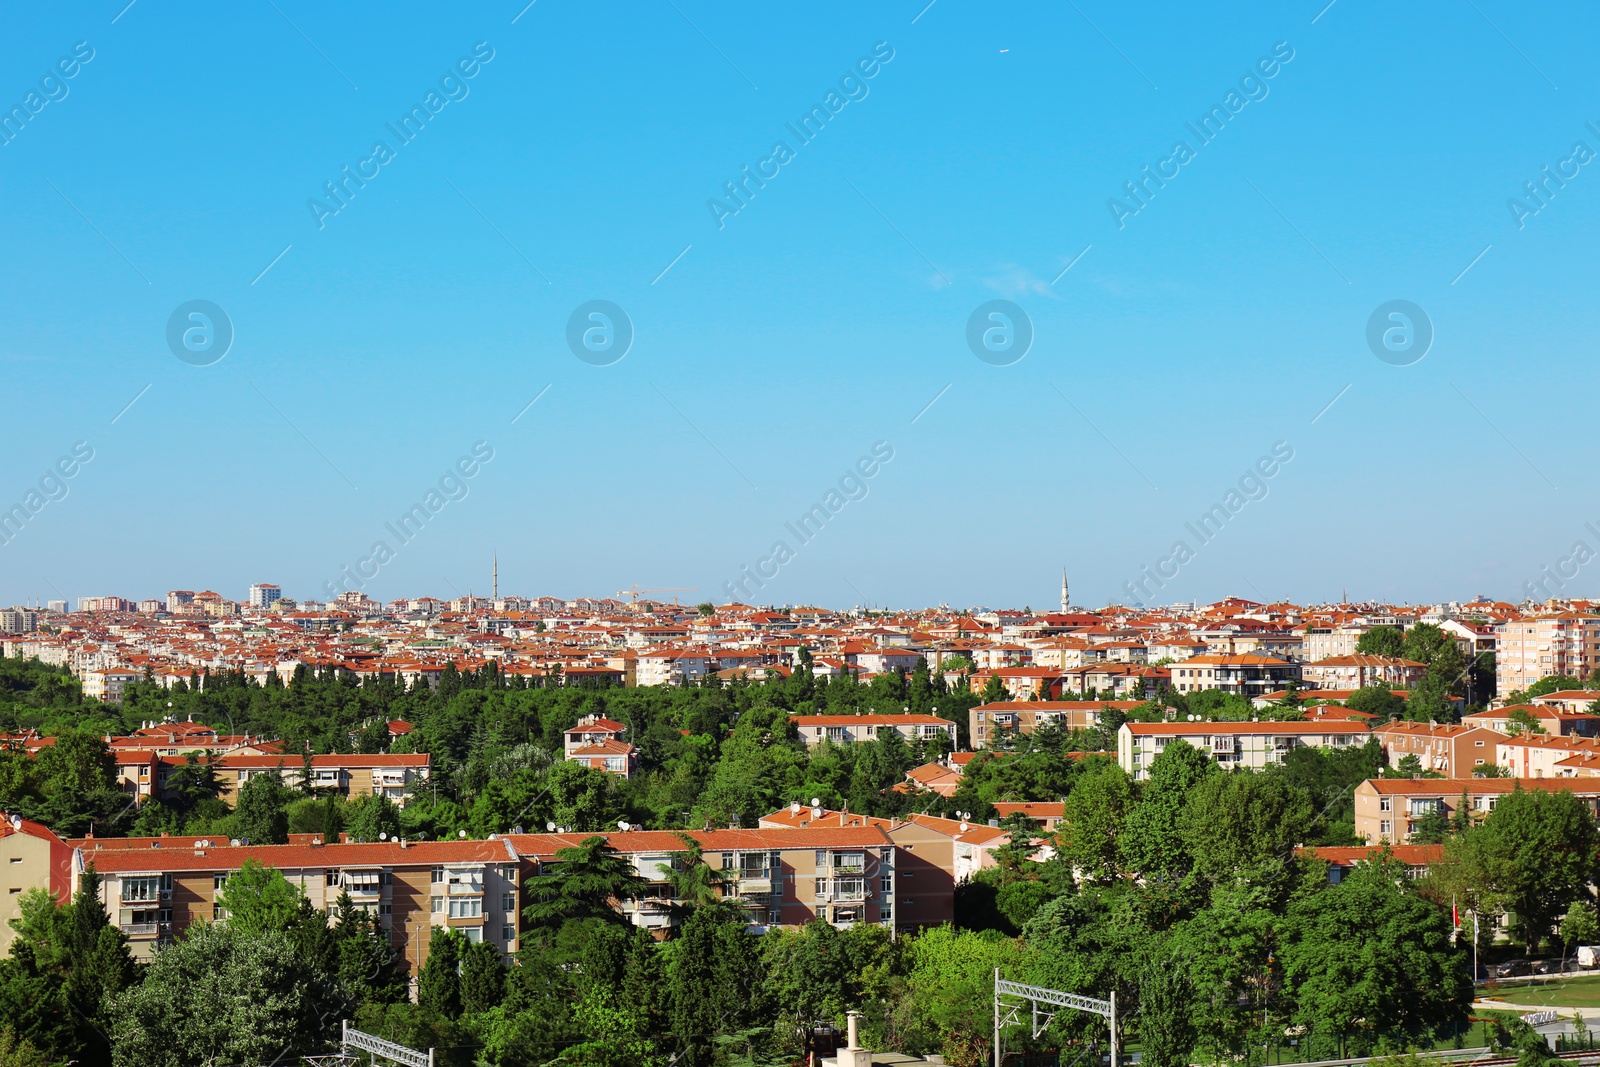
x: 632, y: 593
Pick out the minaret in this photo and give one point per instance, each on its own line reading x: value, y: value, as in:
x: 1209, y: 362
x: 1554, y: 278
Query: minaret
x: 497, y: 576
x: 1065, y: 600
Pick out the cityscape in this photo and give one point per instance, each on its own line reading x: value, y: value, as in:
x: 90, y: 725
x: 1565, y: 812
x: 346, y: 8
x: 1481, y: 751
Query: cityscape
x: 663, y: 533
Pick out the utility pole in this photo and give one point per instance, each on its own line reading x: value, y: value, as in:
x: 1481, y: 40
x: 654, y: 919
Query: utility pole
x: 997, y: 1017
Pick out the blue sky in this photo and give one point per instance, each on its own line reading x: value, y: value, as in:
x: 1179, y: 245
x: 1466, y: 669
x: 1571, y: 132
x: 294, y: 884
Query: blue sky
x: 823, y: 317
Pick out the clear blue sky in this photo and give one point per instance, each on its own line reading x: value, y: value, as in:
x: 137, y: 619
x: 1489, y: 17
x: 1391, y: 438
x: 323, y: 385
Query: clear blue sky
x: 821, y: 318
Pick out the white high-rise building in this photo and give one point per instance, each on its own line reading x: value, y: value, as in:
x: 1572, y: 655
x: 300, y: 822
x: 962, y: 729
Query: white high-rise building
x: 262, y: 594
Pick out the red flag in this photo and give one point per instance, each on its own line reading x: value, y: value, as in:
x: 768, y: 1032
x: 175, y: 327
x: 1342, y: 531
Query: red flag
x: 1455, y: 913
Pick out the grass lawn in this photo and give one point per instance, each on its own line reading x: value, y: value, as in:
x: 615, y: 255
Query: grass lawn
x: 1581, y: 992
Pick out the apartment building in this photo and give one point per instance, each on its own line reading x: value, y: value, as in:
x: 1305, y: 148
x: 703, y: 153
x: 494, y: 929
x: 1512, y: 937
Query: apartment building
x: 1254, y: 745
x: 1361, y: 670
x: 18, y: 621
x: 1023, y: 683
x: 1247, y: 675
x: 1543, y: 756
x: 597, y: 742
x: 1556, y: 719
x: 107, y: 684
x: 31, y: 857
x: 153, y: 888
x: 1455, y: 751
x: 841, y: 874
x: 842, y: 729
x: 1527, y: 650
x: 354, y: 775
x: 264, y: 594
x: 1324, y: 642
x: 1388, y: 809
x: 986, y: 721
x: 671, y: 666
x: 1342, y: 860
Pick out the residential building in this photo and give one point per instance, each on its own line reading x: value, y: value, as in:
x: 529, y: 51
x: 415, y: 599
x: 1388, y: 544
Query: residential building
x: 986, y: 721
x: 1319, y: 643
x: 1342, y: 860
x: 1247, y: 675
x: 264, y: 594
x: 1360, y: 670
x: 107, y: 684
x: 1542, y: 755
x: 597, y: 742
x: 1455, y: 751
x: 1388, y: 809
x: 393, y: 776
x: 1555, y: 719
x: 1253, y: 745
x: 18, y: 621
x: 153, y: 889
x: 1529, y: 649
x: 842, y: 874
x: 841, y: 729
x: 33, y: 858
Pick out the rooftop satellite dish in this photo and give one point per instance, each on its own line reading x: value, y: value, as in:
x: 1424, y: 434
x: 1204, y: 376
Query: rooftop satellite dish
x: 622, y: 824
x: 461, y: 833
x: 383, y: 835
x: 234, y: 841
x: 550, y: 826
x: 794, y: 809
x: 816, y: 802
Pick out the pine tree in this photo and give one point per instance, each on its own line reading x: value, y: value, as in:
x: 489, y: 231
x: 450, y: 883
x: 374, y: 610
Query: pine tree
x: 439, y: 984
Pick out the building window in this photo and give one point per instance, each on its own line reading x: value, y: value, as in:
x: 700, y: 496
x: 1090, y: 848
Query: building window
x: 888, y: 885
x: 727, y: 861
x: 774, y: 917
x: 438, y: 875
x: 822, y: 912
x: 218, y: 881
x: 821, y: 889
x: 1385, y: 804
x: 1385, y: 828
x: 466, y: 908
x: 438, y: 905
x: 822, y: 858
x: 508, y: 901
x: 473, y: 933
x: 886, y: 856
x: 508, y: 933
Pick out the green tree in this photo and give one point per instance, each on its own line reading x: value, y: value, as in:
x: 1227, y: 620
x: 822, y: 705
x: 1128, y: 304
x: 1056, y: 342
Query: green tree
x: 1152, y: 840
x: 1166, y: 1026
x: 1369, y: 958
x: 1579, y: 926
x: 584, y: 881
x: 15, y: 1051
x: 439, y: 981
x: 216, y: 998
x: 259, y: 899
x: 1381, y: 641
x: 712, y: 966
x: 1532, y: 856
x: 1094, y: 813
x: 693, y: 881
x: 1244, y: 825
x: 260, y: 814
x: 483, y: 978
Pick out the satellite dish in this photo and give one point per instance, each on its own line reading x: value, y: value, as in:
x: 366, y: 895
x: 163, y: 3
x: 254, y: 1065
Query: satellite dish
x: 461, y: 833
x: 622, y: 824
x: 383, y: 835
x: 234, y: 842
x: 816, y: 802
x: 794, y: 809
x: 550, y: 826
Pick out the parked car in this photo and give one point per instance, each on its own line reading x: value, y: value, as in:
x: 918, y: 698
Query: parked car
x: 1548, y: 966
x: 1510, y: 968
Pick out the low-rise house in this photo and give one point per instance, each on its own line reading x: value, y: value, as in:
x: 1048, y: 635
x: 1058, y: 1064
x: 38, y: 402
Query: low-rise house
x: 1342, y: 860
x: 391, y: 775
x: 1253, y: 745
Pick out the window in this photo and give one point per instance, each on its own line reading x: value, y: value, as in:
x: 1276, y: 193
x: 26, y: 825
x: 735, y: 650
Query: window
x: 1384, y: 828
x: 218, y: 881
x: 145, y: 887
x: 774, y: 916
x: 822, y: 889
x: 385, y: 909
x: 473, y: 933
x: 886, y: 856
x: 1385, y: 804
x: 888, y: 885
x: 438, y: 875
x: 466, y: 908
x: 508, y: 933
x: 438, y: 905
x: 508, y: 901
x: 822, y: 912
x: 849, y: 861
x: 775, y: 864
x: 822, y: 858
x: 727, y: 861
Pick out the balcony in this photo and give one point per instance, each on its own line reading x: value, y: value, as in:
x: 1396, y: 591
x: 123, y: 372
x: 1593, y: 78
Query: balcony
x: 141, y: 929
x: 755, y: 886
x: 142, y: 896
x: 466, y: 889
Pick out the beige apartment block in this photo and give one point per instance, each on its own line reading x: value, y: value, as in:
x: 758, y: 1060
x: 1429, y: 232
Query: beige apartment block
x: 1455, y: 751
x: 1388, y: 809
x: 1527, y: 650
x: 1254, y: 745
